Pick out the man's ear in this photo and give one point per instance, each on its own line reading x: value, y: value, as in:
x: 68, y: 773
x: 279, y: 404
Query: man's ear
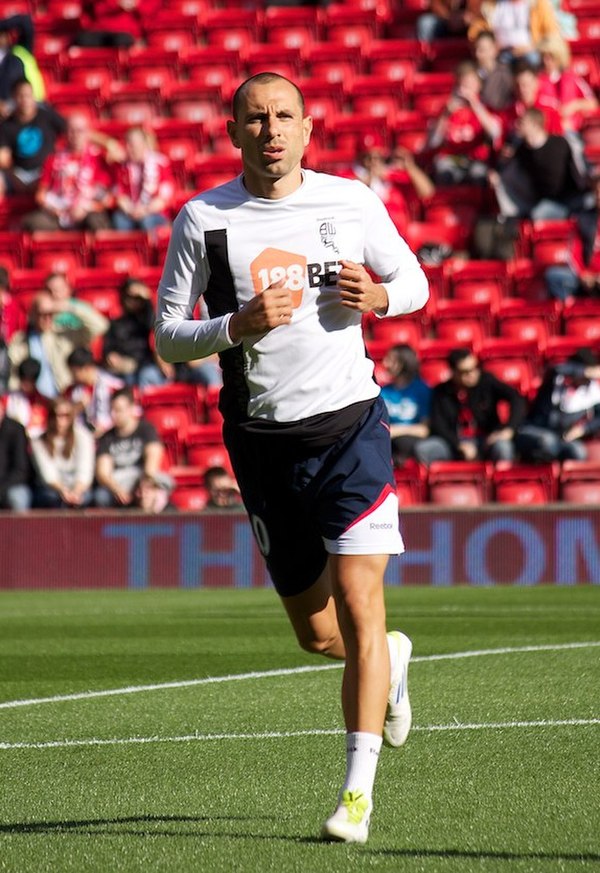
x: 232, y: 131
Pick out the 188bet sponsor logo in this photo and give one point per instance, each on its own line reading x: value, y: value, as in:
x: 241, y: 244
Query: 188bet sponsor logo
x: 274, y: 265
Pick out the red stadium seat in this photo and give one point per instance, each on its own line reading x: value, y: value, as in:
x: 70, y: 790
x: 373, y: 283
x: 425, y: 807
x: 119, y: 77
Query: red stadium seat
x: 291, y: 26
x: 409, y: 129
x: 459, y: 483
x: 582, y: 321
x: 174, y: 394
x: 171, y: 31
x: 430, y: 91
x: 462, y: 322
x: 221, y: 61
x: 190, y: 102
x: 153, y: 68
x: 402, y: 329
x: 525, y: 484
x: 278, y: 58
x: 13, y: 248
x: 67, y: 98
x: 551, y: 240
x: 210, y: 170
x: 433, y: 355
x: 526, y: 280
x: 478, y: 281
x: 559, y: 348
x: 120, y: 251
x: 445, y: 54
x: 231, y: 29
x: 372, y: 95
x: 190, y: 498
x: 512, y: 361
x: 592, y: 447
x: 80, y: 64
x: 332, y: 63
x: 203, y: 433
x: 529, y: 321
x: 422, y: 233
x: 411, y: 484
x: 209, y: 455
x: 59, y: 251
x: 350, y: 25
x: 134, y: 104
x: 580, y: 482
x: 396, y: 59
x: 189, y: 476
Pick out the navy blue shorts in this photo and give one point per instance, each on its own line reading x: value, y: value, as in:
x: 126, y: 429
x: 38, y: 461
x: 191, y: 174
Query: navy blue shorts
x: 304, y: 506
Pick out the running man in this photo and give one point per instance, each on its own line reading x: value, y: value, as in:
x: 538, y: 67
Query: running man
x: 280, y: 255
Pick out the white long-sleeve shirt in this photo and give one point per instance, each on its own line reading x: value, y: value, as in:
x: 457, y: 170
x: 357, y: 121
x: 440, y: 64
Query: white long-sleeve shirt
x: 229, y: 245
x: 56, y: 469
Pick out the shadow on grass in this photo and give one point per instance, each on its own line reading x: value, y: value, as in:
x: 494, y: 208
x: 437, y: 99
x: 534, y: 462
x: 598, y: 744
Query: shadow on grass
x: 119, y: 827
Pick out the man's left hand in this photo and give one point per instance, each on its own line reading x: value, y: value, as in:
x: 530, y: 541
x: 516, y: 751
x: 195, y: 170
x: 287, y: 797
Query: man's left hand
x: 359, y: 291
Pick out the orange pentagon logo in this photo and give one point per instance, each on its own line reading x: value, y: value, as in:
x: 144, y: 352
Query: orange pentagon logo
x: 274, y: 264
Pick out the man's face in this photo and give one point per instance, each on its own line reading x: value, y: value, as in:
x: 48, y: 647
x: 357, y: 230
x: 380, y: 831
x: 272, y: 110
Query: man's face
x: 59, y: 287
x: 24, y: 100
x: 486, y: 52
x: 122, y: 412
x: 83, y: 375
x: 222, y: 491
x: 271, y: 132
x: 526, y: 86
x: 466, y: 373
x: 77, y: 133
x: 43, y: 314
x: 135, y: 146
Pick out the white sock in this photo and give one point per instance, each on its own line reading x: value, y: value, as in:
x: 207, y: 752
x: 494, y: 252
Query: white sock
x: 362, y: 754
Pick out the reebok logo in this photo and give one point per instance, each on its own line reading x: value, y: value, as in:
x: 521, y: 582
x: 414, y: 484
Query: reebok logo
x: 382, y: 526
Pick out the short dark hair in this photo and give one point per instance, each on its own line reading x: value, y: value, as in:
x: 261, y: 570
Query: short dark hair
x: 261, y: 79
x: 522, y: 65
x: 535, y: 115
x: 80, y: 357
x: 463, y: 68
x: 407, y: 356
x: 4, y: 278
x: 123, y: 392
x: 458, y: 355
x: 213, y: 473
x: 18, y: 83
x: 29, y: 369
x: 485, y: 34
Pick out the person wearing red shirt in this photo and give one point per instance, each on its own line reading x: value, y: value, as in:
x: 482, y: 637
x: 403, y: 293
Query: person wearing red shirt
x: 529, y: 94
x: 572, y: 93
x: 74, y: 189
x: 465, y: 132
x: 144, y: 185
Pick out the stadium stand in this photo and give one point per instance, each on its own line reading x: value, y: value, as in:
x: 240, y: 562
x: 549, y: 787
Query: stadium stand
x: 362, y: 69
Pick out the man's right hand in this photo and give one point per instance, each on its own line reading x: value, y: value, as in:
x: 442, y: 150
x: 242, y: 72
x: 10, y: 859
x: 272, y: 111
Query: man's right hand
x: 266, y: 311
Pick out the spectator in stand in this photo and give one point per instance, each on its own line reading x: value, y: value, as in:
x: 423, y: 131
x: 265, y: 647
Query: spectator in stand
x: 11, y: 69
x: 529, y: 94
x: 27, y: 138
x: 572, y: 93
x: 541, y: 180
x: 15, y: 468
x: 91, y: 390
x: 395, y: 184
x: 144, y: 185
x: 464, y: 133
x: 71, y: 313
x: 153, y: 494
x: 408, y: 400
x: 63, y: 458
x: 21, y: 38
x: 465, y: 422
x: 130, y: 449
x: 497, y: 84
x: 114, y: 23
x: 565, y: 411
x: 26, y: 405
x: 580, y: 275
x: 51, y: 345
x: 223, y: 491
x: 128, y: 351
x: 11, y: 314
x: 75, y: 186
x: 518, y: 26
x: 450, y: 18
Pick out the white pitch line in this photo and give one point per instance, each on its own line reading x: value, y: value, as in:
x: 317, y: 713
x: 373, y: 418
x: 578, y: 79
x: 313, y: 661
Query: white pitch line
x: 284, y: 735
x: 291, y: 671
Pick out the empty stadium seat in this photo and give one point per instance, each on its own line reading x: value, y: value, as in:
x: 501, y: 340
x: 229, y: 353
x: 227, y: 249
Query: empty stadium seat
x: 525, y: 280
x: 153, y: 68
x: 525, y: 484
x: 208, y: 455
x: 13, y: 248
x: 231, y: 29
x: 559, y: 348
x: 402, y: 329
x: 422, y: 233
x: 350, y: 25
x: 433, y: 356
x: 411, y: 484
x: 582, y: 321
x: 331, y: 63
x: 551, y: 240
x: 529, y: 321
x: 59, y: 251
x: 135, y: 104
x: 462, y: 322
x: 291, y: 26
x: 580, y: 482
x: 459, y: 483
x: 478, y: 281
x: 173, y: 395
x: 121, y: 251
x: 171, y: 31
x: 516, y: 362
x: 192, y: 103
x: 278, y: 58
x: 190, y: 498
x: 372, y: 95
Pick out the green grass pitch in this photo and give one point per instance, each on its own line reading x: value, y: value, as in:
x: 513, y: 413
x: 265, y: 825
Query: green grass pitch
x: 173, y: 772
